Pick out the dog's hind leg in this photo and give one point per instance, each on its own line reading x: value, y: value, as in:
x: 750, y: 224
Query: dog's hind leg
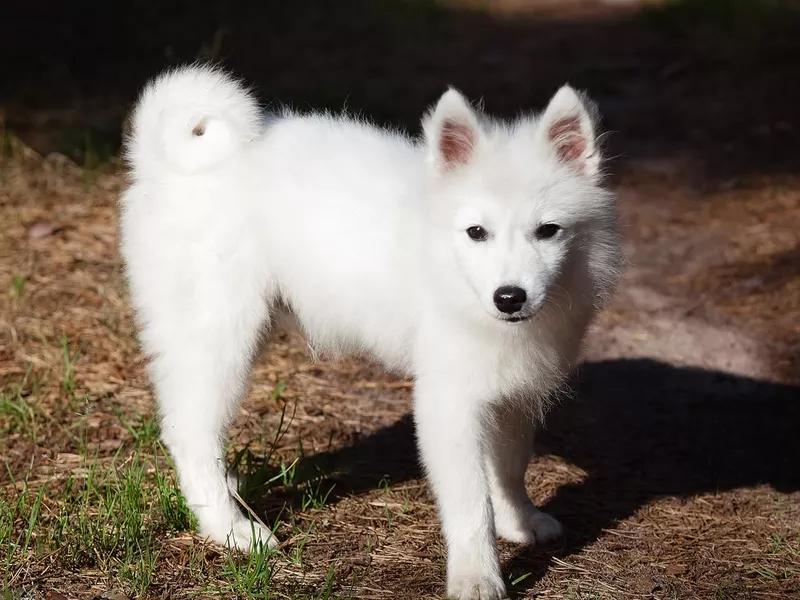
x: 509, y: 450
x: 200, y: 372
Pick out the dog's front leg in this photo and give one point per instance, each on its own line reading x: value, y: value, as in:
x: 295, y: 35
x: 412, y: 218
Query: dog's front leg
x: 509, y: 449
x: 450, y: 430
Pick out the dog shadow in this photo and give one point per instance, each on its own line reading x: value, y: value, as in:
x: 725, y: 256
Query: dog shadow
x: 641, y: 429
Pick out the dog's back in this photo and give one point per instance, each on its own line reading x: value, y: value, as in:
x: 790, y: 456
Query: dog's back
x: 319, y: 211
x: 342, y: 204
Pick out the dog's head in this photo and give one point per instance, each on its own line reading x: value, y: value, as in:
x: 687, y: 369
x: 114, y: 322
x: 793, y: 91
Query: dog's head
x: 519, y: 214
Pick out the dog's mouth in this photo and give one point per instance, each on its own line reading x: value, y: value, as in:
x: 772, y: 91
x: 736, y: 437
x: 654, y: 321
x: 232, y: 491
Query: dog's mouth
x: 517, y: 318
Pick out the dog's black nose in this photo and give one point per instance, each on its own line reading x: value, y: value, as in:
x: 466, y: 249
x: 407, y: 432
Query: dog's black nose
x: 509, y: 299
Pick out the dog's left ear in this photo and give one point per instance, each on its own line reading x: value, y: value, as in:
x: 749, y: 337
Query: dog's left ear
x: 452, y: 132
x: 568, y: 127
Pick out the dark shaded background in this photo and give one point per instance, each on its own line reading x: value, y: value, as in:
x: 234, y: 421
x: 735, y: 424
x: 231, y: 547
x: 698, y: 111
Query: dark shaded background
x: 716, y: 81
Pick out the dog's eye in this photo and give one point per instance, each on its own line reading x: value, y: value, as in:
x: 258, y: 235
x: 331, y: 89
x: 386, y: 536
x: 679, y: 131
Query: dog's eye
x: 546, y: 231
x: 477, y: 233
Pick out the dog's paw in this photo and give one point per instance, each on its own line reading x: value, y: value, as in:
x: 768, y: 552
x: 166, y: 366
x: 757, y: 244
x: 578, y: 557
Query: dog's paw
x: 529, y: 525
x: 474, y: 586
x: 474, y: 575
x: 247, y: 535
x: 240, y: 532
x: 226, y: 525
x: 547, y: 530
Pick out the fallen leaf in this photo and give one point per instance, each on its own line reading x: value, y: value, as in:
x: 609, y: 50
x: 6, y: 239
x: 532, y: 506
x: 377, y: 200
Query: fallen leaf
x: 42, y: 229
x: 676, y: 569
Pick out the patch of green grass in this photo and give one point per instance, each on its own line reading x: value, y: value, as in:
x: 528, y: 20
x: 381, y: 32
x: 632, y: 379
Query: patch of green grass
x: 75, y: 410
x: 18, y: 285
x: 296, y: 555
x: 257, y: 474
x: 765, y: 573
x: 520, y: 578
x: 144, y: 430
x: 316, y: 492
x: 780, y: 546
x: 257, y: 471
x: 27, y: 510
x: 326, y: 590
x: 17, y: 414
x: 775, y: 574
x: 137, y: 573
x: 249, y: 575
x: 176, y: 514
x: 112, y: 516
x: 68, y: 380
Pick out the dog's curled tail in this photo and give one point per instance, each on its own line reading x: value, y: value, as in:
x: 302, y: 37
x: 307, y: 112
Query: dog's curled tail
x: 190, y: 120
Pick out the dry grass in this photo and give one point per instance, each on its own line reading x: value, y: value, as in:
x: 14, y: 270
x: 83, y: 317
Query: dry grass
x: 88, y: 506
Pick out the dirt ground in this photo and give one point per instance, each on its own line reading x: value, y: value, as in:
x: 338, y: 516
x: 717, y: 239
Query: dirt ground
x: 676, y: 467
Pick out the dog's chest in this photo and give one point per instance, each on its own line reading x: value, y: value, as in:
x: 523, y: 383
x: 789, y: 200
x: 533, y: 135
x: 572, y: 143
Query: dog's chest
x: 491, y: 368
x: 527, y: 367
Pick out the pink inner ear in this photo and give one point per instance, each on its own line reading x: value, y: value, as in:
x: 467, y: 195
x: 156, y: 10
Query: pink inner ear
x: 568, y: 138
x: 456, y: 143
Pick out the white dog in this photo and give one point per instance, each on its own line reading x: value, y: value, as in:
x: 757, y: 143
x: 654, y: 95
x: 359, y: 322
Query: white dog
x: 472, y: 261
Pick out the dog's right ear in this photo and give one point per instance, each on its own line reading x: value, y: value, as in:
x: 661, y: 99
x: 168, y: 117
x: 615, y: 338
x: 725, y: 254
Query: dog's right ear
x: 452, y: 132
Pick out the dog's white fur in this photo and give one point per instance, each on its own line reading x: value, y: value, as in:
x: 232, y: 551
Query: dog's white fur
x: 359, y: 232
